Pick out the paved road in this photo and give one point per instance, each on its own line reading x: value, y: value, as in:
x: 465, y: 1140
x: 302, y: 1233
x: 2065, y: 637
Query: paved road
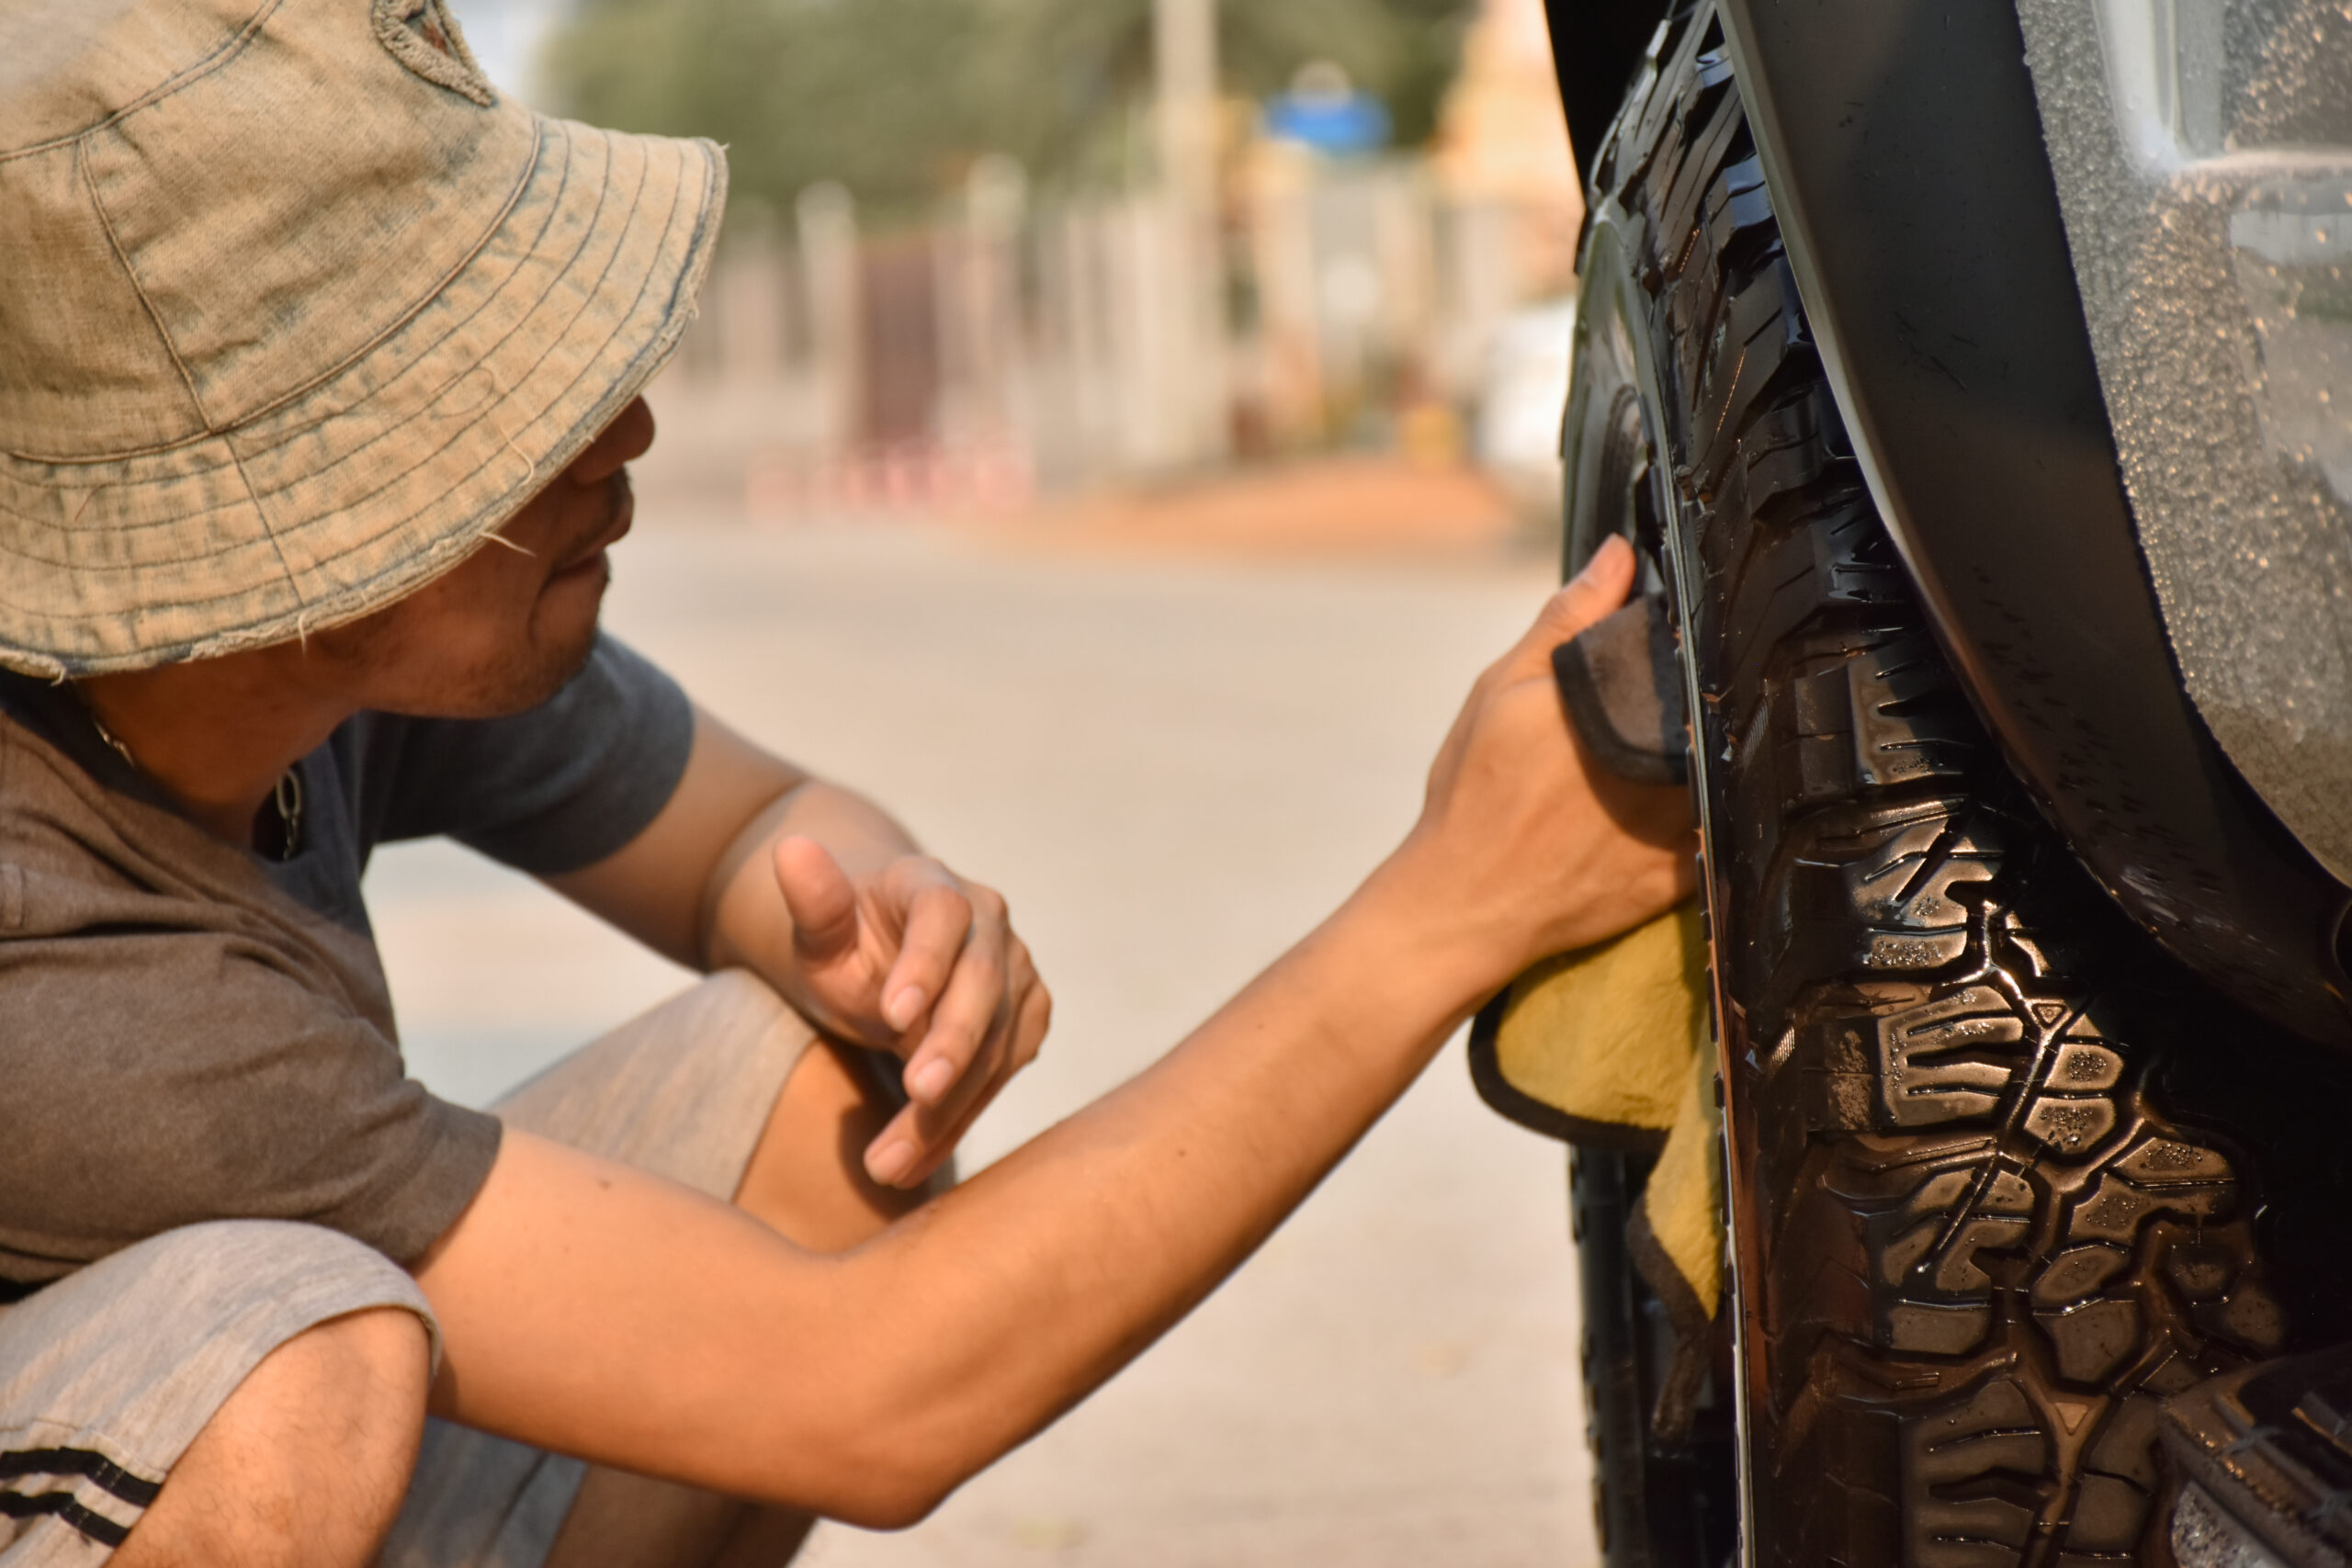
x: 1171, y: 769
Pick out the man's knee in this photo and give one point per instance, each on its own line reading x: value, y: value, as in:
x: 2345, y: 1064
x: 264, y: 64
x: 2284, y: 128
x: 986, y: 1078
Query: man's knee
x: 807, y: 1177
x: 308, y: 1460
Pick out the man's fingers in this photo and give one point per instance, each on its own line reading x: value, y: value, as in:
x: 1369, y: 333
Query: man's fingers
x: 1029, y: 1020
x: 819, y: 899
x: 936, y: 917
x: 1592, y: 594
x: 967, y: 1009
x: 1596, y: 591
x: 940, y: 1147
x: 919, y: 1140
x: 926, y: 1135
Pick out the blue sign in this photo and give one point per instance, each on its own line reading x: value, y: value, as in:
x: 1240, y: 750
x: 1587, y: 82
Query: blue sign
x: 1330, y: 122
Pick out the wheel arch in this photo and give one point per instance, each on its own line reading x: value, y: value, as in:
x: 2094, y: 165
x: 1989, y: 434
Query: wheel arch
x: 1596, y: 45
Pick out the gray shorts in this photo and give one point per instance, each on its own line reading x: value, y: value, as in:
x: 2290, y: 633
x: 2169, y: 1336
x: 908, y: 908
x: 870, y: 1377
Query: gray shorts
x: 106, y: 1376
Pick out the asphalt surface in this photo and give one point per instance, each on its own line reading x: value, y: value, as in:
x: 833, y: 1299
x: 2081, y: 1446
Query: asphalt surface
x: 1172, y: 768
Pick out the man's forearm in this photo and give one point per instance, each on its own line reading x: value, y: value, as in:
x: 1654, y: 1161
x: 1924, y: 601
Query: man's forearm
x: 1114, y: 1223
x: 745, y: 923
x: 868, y: 1387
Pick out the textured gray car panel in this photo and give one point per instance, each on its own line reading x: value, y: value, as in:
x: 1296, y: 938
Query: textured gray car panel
x: 2251, y: 557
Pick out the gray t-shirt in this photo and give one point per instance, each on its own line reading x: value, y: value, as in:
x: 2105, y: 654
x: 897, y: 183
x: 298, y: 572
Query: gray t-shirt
x: 189, y: 1032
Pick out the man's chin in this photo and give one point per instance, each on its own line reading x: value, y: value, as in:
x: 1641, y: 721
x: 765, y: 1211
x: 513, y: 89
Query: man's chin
x: 548, y: 668
x: 520, y: 678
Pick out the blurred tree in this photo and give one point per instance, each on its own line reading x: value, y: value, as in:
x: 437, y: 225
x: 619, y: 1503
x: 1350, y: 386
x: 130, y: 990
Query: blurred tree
x: 895, y: 97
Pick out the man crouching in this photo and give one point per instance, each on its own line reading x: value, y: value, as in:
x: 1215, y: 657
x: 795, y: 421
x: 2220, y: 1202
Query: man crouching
x: 320, y: 365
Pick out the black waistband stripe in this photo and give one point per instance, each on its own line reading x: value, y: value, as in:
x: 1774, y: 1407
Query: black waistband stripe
x: 85, y: 1463
x: 97, y: 1527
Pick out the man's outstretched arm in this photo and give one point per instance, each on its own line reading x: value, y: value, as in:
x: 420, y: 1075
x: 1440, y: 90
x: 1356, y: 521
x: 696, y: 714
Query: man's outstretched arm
x: 601, y: 1311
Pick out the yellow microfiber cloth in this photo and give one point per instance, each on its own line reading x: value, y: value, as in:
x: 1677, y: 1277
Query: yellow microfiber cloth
x: 1617, y: 1036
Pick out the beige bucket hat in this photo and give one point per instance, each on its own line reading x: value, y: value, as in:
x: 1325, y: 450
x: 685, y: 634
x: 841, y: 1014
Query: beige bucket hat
x: 294, y: 308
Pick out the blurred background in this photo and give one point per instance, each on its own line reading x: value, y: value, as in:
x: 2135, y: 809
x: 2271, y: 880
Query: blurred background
x: 1114, y: 434
x: 982, y: 253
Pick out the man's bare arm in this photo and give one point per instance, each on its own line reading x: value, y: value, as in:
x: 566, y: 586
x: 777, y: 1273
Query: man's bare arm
x: 598, y: 1311
x: 660, y: 886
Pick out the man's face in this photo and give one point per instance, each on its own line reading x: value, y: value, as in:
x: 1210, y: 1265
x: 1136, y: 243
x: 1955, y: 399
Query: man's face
x: 503, y: 630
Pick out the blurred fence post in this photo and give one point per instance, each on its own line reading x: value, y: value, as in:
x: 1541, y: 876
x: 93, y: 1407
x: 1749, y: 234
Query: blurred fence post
x: 748, y: 287
x: 1085, y: 308
x: 1403, y: 240
x: 1148, y: 329
x: 1482, y: 257
x: 1191, y: 300
x: 829, y: 272
x: 984, y: 456
x: 983, y: 323
x: 1283, y: 262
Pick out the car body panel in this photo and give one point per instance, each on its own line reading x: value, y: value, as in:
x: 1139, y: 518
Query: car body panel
x: 2202, y: 155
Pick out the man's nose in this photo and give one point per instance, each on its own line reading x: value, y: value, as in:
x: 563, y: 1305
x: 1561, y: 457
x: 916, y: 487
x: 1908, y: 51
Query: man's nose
x: 627, y: 438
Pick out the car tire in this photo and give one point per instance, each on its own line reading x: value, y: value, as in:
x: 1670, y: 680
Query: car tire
x: 1662, y: 1497
x: 1972, y: 1247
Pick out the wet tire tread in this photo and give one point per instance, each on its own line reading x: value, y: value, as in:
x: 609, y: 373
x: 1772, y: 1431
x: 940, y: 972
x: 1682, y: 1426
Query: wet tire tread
x: 1986, y: 1252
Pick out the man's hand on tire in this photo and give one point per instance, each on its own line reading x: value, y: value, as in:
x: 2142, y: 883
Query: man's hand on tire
x: 1522, y: 843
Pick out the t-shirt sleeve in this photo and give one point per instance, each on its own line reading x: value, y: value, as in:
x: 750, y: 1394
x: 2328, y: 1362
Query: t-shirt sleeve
x: 547, y: 791
x: 161, y: 1076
